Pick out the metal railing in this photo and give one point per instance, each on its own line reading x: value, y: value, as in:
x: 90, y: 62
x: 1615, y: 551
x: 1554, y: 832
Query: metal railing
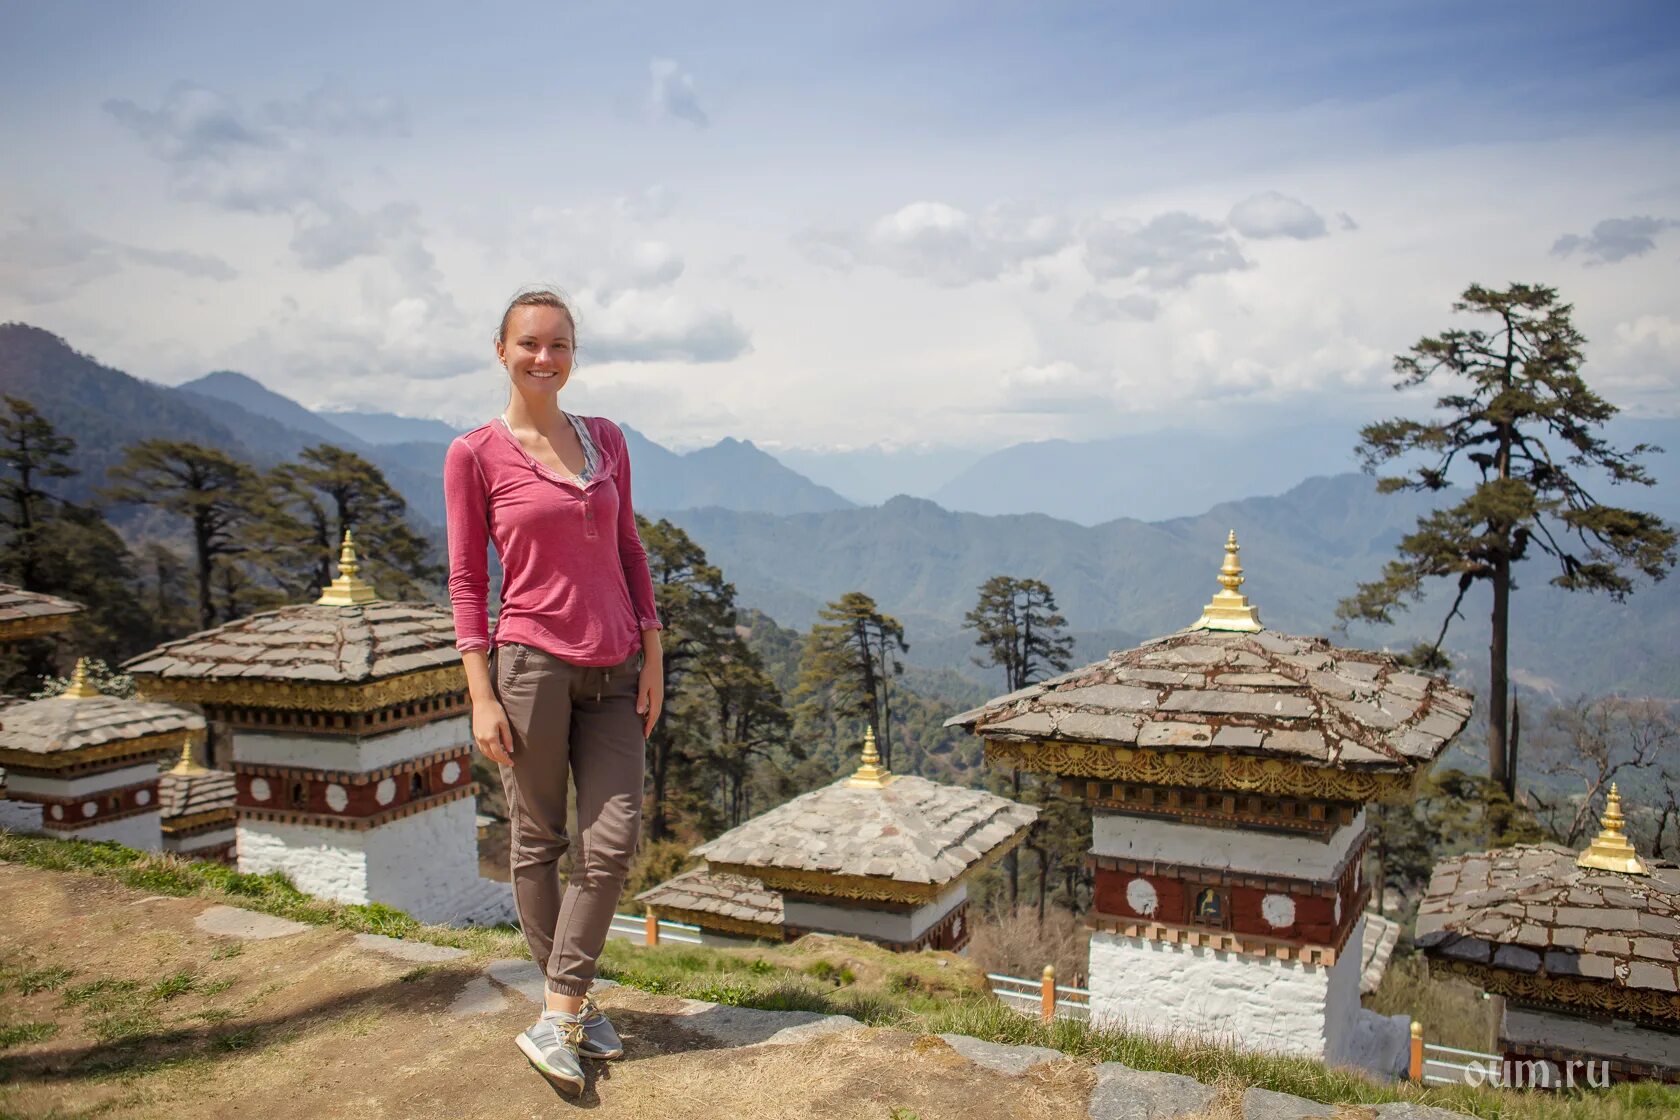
x: 650, y: 931
x: 1429, y: 1070
x: 1042, y: 997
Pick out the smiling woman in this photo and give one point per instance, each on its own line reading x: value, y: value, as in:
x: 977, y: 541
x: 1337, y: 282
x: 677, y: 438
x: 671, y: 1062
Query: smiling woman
x: 577, y: 676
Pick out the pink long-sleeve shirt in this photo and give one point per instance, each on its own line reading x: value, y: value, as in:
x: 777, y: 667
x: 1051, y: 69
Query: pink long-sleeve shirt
x: 575, y: 577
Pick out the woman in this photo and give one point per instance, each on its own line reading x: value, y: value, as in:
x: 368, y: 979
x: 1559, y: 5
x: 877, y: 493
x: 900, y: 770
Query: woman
x: 572, y: 678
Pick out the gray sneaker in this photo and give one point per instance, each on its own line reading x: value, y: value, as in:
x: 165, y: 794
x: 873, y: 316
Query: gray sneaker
x: 552, y: 1046
x: 600, y: 1039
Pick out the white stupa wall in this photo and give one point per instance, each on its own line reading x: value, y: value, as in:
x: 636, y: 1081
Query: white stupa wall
x: 321, y: 752
x: 882, y: 924
x: 23, y: 785
x: 1259, y: 1003
x: 425, y: 864
x: 1240, y: 850
x: 142, y: 831
x: 20, y: 816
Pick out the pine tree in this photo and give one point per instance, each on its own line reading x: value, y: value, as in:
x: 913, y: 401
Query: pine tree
x: 30, y: 450
x: 848, y: 661
x: 1519, y: 411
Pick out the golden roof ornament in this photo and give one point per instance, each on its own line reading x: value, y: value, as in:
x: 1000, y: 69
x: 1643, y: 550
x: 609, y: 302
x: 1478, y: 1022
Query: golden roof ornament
x: 186, y: 765
x: 349, y: 589
x: 1230, y: 610
x: 1610, y: 849
x: 80, y: 687
x: 871, y: 775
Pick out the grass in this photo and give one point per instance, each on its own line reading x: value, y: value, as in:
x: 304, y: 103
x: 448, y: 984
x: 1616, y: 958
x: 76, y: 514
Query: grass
x: 16, y: 1034
x: 923, y: 993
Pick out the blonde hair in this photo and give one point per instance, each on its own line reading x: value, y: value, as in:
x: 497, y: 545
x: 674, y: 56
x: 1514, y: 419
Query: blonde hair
x: 536, y: 297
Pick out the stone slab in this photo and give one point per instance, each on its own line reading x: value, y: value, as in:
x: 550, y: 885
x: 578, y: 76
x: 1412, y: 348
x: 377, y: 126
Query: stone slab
x: 479, y: 997
x: 418, y: 951
x: 523, y: 977
x: 248, y: 925
x: 750, y: 1026
x: 1263, y: 1104
x: 1124, y: 1093
x: 1405, y: 1110
x: 1011, y: 1060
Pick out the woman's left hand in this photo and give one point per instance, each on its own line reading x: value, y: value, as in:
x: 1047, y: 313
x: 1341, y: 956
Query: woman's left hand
x: 650, y: 688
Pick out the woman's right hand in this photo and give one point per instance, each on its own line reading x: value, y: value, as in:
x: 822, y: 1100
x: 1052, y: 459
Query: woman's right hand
x: 491, y: 732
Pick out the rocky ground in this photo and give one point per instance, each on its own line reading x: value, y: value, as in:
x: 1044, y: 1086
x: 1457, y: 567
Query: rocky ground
x: 124, y: 1004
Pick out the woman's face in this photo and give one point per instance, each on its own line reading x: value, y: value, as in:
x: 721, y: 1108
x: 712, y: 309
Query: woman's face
x: 538, y: 349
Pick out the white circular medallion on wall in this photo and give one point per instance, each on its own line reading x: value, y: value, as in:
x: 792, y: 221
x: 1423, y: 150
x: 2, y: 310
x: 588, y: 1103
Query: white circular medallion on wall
x: 143, y: 797
x: 58, y: 812
x: 260, y: 790
x: 1278, y: 910
x: 1141, y: 897
x: 1337, y: 917
x: 337, y: 799
x: 451, y: 771
x: 385, y: 791
x: 89, y: 808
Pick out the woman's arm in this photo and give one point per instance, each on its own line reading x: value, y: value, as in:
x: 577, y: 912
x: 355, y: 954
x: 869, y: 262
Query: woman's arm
x: 467, y: 525
x: 632, y: 556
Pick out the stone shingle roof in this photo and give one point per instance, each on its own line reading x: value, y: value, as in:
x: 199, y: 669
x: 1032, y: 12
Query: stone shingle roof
x: 23, y: 613
x: 312, y: 643
x: 1264, y: 694
x: 912, y: 831
x: 183, y: 794
x: 1530, y: 909
x: 59, y: 724
x: 710, y: 892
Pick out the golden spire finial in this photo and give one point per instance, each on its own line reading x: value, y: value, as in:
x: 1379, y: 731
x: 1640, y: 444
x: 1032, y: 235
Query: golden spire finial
x: 871, y: 775
x: 186, y: 764
x: 349, y: 589
x: 1610, y: 850
x: 1230, y: 610
x: 80, y: 687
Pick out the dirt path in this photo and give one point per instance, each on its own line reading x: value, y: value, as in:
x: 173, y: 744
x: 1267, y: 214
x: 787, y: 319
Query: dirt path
x: 137, y: 1011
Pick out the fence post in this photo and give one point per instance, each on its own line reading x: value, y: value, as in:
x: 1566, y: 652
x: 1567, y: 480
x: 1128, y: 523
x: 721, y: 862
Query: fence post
x: 1416, y: 1067
x: 1047, y: 998
x: 652, y: 928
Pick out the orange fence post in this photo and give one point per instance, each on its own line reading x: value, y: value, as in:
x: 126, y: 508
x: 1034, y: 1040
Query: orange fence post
x: 652, y: 929
x: 1416, y: 1069
x: 1047, y: 999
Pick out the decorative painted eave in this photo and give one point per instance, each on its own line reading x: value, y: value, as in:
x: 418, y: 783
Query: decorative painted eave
x: 726, y: 903
x: 195, y: 793
x: 1227, y: 705
x: 31, y: 614
x: 1534, y: 923
x: 348, y: 652
x: 82, y: 726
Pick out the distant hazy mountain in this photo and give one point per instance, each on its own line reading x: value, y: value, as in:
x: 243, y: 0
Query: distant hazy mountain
x: 1302, y: 550
x: 871, y: 475
x: 254, y: 397
x: 731, y: 473
x: 383, y: 427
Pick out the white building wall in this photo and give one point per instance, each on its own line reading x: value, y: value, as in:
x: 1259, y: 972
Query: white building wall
x: 1258, y: 1003
x: 143, y: 831
x: 1240, y: 850
x: 20, y: 816
x: 425, y: 864
x: 883, y: 924
x: 318, y: 752
x: 20, y: 785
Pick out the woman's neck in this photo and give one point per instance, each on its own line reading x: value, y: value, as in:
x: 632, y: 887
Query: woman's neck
x: 541, y: 413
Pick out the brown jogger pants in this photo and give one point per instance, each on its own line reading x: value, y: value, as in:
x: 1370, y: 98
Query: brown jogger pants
x: 566, y: 716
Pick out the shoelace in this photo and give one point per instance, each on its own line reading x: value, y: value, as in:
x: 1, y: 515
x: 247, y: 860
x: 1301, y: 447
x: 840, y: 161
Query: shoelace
x: 564, y: 1031
x: 589, y: 1011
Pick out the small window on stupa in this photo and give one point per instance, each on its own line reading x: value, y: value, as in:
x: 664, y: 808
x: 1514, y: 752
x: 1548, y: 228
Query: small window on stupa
x: 1209, y: 909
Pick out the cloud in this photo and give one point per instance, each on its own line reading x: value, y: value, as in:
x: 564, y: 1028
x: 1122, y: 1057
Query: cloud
x: 1270, y: 214
x: 45, y: 258
x: 1169, y: 251
x: 938, y: 242
x: 1094, y: 307
x: 331, y: 235
x: 1055, y: 387
x: 671, y: 94
x: 1615, y: 239
x: 1345, y: 220
x: 639, y: 327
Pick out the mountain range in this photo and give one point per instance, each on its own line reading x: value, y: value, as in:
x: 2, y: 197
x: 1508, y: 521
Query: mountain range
x: 790, y: 544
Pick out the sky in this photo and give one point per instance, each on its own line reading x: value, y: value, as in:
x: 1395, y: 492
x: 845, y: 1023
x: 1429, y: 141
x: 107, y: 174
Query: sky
x: 905, y: 226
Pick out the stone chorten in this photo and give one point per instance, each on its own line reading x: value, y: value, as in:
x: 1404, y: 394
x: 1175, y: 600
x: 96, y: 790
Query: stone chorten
x: 1582, y: 946
x: 84, y: 765
x: 351, y: 743
x: 30, y: 614
x: 197, y: 805
x: 1228, y: 768
x: 876, y: 855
